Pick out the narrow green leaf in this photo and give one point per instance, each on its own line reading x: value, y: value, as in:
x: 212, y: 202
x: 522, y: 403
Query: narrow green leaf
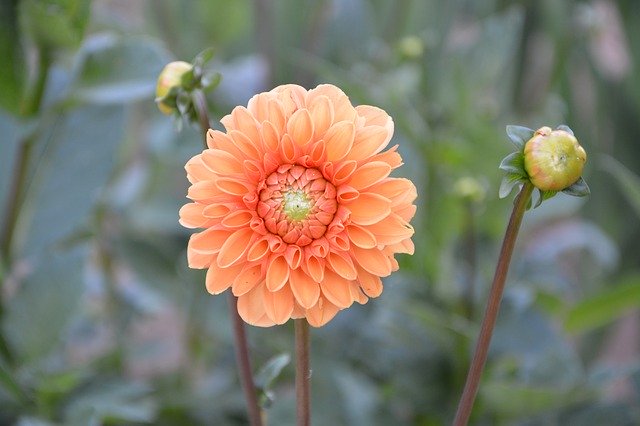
x: 519, y: 135
x: 578, y: 189
x: 604, y: 307
x: 628, y: 181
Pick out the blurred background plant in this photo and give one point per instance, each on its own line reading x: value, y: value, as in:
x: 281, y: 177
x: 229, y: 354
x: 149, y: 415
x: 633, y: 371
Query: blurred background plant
x: 103, y: 323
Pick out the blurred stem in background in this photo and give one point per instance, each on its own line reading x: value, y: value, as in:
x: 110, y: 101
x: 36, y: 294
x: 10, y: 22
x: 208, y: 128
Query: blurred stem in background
x: 493, y: 307
x: 30, y: 106
x: 239, y: 334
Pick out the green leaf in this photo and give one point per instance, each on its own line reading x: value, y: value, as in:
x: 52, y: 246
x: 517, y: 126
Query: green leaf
x: 55, y: 24
x: 38, y: 314
x: 605, y: 307
x: 628, y: 182
x: 514, y: 163
x: 268, y: 374
x: 578, y: 189
x: 113, y: 69
x: 77, y: 163
x: 519, y: 135
x: 508, y: 182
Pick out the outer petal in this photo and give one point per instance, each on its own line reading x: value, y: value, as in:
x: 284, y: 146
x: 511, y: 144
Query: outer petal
x: 304, y: 288
x: 369, y: 208
x: 278, y: 304
x: 336, y: 290
x: 219, y: 279
x: 247, y: 279
x: 277, y: 273
x: 373, y: 261
x: 235, y: 247
x: 251, y: 308
x: 321, y: 313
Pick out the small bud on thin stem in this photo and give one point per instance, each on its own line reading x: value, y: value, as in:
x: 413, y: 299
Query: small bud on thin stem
x: 493, y: 306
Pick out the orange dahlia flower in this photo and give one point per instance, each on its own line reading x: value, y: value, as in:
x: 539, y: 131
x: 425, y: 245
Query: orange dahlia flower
x: 300, y: 216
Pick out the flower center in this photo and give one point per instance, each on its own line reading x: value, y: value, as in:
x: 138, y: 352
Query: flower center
x: 297, y: 204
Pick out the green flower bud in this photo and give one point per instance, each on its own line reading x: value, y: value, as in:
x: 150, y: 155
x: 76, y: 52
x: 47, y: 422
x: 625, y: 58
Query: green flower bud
x: 553, y: 159
x: 169, y: 78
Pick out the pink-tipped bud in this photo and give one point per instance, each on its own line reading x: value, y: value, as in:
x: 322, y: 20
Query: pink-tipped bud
x: 170, y: 77
x: 553, y: 159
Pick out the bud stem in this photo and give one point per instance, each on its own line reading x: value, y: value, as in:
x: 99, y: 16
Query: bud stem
x: 240, y: 337
x: 303, y: 373
x: 493, y: 306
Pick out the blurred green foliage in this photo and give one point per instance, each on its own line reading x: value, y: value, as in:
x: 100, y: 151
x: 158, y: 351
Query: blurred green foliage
x: 103, y: 323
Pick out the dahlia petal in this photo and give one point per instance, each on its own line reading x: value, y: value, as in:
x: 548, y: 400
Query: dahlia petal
x: 258, y: 106
x: 288, y: 150
x: 339, y: 139
x: 342, y: 265
x: 391, y: 230
x: 343, y: 172
x: 318, y: 152
x: 371, y: 284
x: 393, y: 188
x: 258, y: 250
x: 196, y: 170
x: 406, y: 213
x: 276, y: 115
x: 244, y: 121
x: 304, y: 288
x: 356, y: 293
x: 321, y: 313
x: 336, y: 290
x: 369, y: 174
x: 199, y: 260
x: 277, y: 273
x: 208, y: 241
x: 321, y: 111
x: 361, y: 237
x: 369, y: 141
x: 343, y: 110
x: 219, y: 279
x: 237, y: 219
x: 404, y: 246
x: 246, y: 280
x: 293, y: 255
x: 235, y: 247
x: 300, y: 127
x: 233, y: 186
x: 390, y: 156
x: 346, y: 194
x: 246, y: 145
x: 216, y: 211
x: 373, y: 115
x: 315, y: 268
x: 270, y: 136
x: 221, y: 162
x: 251, y: 308
x: 205, y: 190
x: 369, y: 208
x: 373, y: 261
x: 191, y: 215
x: 278, y: 304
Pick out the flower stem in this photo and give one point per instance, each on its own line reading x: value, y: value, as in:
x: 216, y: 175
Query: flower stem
x: 493, y: 306
x: 244, y: 363
x: 240, y: 337
x: 303, y: 373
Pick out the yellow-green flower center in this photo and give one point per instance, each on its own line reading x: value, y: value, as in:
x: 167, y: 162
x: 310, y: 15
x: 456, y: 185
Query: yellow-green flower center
x: 296, y: 204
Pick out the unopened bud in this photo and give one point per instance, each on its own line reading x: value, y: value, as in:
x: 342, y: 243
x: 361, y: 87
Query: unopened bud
x: 553, y: 159
x: 170, y: 77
